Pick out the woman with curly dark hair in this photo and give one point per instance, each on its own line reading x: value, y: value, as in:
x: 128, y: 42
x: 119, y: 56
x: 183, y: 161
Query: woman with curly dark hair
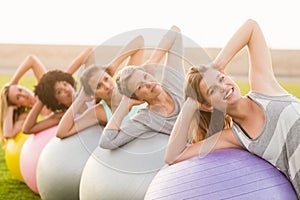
x: 56, y: 91
x: 52, y: 89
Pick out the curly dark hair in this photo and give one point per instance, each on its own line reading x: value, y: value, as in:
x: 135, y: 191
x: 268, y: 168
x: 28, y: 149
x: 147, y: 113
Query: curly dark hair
x: 45, y: 88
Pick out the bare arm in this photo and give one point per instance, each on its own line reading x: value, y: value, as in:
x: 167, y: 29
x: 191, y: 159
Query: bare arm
x: 163, y: 47
x: 70, y: 126
x: 11, y: 129
x: 122, y: 110
x: 79, y: 60
x: 90, y: 117
x: 178, y: 150
x: 222, y: 140
x: 134, y: 50
x: 179, y: 135
x: 261, y: 74
x: 31, y: 125
x: 118, y: 116
x: 31, y: 62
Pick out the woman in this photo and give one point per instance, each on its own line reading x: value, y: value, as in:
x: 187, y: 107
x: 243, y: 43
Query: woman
x: 16, y: 100
x: 97, y: 82
x: 56, y: 91
x: 137, y: 84
x: 266, y: 121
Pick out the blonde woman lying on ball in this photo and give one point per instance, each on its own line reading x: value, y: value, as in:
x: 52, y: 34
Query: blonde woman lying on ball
x: 266, y: 121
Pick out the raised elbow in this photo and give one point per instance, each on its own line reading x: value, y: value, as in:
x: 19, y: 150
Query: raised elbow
x: 140, y: 41
x: 175, y: 28
x: 32, y: 58
x: 251, y: 22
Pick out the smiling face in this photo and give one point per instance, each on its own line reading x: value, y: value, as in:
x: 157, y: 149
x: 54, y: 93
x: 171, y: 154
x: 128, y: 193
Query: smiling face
x: 218, y: 89
x: 103, y: 85
x: 64, y: 92
x: 144, y: 85
x: 21, y: 96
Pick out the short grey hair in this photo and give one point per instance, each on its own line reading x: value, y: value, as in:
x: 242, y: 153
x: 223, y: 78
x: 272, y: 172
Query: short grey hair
x: 122, y: 80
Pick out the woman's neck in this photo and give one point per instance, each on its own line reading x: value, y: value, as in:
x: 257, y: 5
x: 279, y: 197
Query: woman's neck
x: 108, y: 102
x: 240, y: 111
x: 33, y: 101
x: 163, y: 103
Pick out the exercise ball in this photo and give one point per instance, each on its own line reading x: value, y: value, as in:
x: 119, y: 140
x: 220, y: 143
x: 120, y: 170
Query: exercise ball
x: 12, y: 154
x: 30, y: 154
x: 223, y: 174
x: 62, y: 161
x: 126, y: 172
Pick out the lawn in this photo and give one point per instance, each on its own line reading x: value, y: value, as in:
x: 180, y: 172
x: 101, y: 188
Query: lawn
x: 11, y: 188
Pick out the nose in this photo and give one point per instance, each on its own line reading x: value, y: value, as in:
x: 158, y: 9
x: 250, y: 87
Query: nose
x: 148, y: 84
x: 66, y: 91
x: 221, y: 87
x: 24, y: 95
x: 106, y: 86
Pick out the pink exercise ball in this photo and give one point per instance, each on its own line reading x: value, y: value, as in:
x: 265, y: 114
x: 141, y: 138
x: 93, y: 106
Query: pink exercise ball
x: 30, y: 155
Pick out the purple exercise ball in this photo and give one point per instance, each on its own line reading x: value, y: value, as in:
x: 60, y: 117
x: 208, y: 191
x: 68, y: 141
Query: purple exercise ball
x: 223, y: 174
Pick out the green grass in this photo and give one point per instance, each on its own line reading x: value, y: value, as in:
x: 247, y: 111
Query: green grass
x: 291, y: 87
x: 11, y: 188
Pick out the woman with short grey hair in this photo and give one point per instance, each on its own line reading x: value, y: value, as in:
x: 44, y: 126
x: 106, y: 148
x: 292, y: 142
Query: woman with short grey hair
x: 138, y: 85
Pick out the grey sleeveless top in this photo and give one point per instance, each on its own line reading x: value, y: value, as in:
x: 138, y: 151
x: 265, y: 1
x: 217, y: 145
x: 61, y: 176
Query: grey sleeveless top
x: 278, y: 143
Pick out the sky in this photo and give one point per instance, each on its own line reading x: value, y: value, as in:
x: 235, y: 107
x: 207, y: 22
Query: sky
x: 209, y: 23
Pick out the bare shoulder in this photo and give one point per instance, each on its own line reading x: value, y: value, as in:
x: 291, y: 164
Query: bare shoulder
x: 229, y: 139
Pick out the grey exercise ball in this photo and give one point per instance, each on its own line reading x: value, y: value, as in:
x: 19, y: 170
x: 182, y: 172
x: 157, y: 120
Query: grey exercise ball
x: 126, y: 172
x: 61, y: 163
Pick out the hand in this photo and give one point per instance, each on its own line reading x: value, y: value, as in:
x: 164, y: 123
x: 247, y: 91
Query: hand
x: 193, y: 103
x: 131, y: 102
x: 175, y: 28
x: 134, y: 102
x: 214, y: 66
x: 84, y: 97
x: 211, y: 65
x: 110, y: 69
x: 13, y: 107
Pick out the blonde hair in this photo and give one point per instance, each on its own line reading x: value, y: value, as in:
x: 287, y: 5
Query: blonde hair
x: 3, y: 109
x: 202, y: 126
